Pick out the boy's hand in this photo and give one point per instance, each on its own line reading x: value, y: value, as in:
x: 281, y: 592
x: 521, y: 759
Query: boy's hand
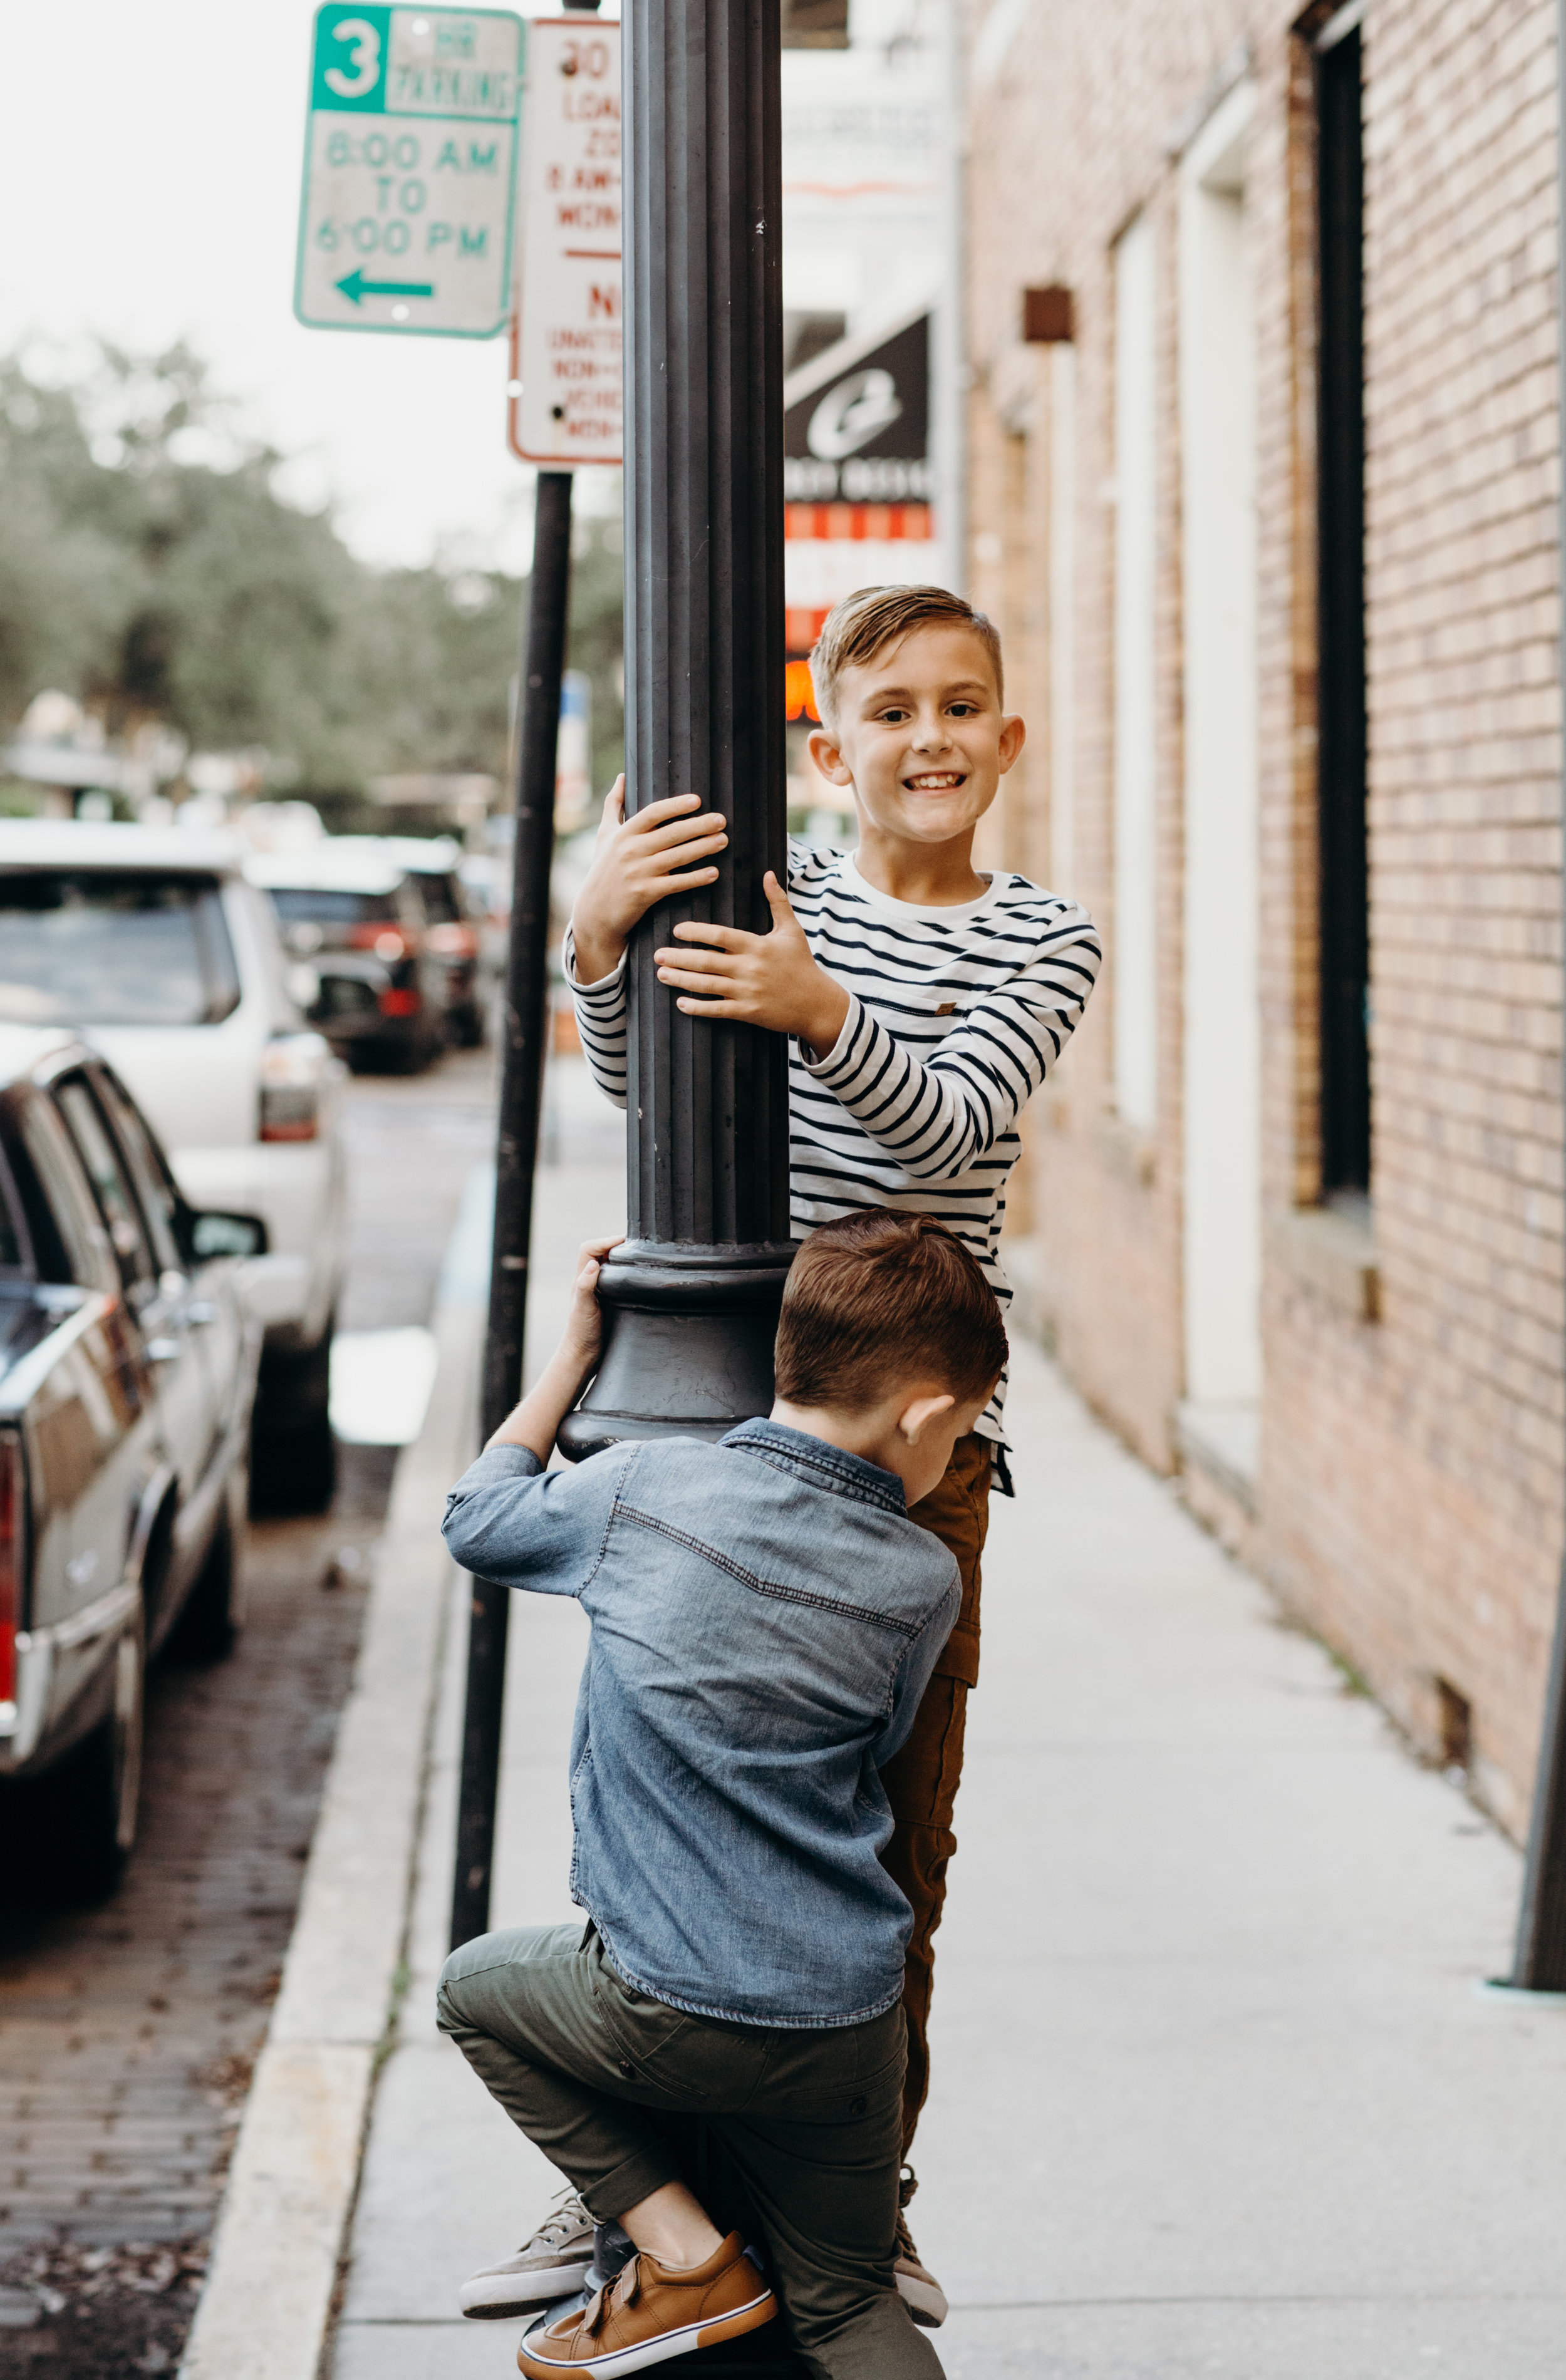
x: 769, y: 979
x: 535, y: 1421
x: 583, y: 1334
x: 637, y: 863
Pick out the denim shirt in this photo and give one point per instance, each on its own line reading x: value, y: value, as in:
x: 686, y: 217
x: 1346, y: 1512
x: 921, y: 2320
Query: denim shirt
x: 765, y: 1618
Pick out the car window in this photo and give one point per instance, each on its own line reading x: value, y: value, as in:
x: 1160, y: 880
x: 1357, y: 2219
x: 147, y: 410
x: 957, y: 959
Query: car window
x: 302, y: 906
x: 107, y: 1172
x: 440, y: 900
x: 104, y: 946
x: 68, y: 1238
x: 159, y: 1199
x: 14, y: 1256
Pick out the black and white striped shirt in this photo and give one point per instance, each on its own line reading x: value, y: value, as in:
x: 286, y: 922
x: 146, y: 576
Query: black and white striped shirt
x: 954, y: 1018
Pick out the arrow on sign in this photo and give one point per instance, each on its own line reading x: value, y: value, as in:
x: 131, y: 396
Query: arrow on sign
x: 355, y: 286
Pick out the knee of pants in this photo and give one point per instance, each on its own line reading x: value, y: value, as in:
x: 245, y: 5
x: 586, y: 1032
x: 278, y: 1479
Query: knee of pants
x: 460, y: 1964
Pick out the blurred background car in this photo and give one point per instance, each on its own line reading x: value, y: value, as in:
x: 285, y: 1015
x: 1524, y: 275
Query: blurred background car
x: 451, y: 927
x: 355, y: 911
x: 127, y: 1373
x: 153, y: 943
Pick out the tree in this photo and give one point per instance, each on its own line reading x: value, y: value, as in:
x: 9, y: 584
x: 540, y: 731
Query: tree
x: 148, y: 567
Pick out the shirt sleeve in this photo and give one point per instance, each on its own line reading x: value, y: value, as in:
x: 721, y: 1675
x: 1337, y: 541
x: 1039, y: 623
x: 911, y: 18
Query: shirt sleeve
x: 509, y: 1520
x: 602, y: 1011
x: 915, y: 1671
x: 936, y: 1117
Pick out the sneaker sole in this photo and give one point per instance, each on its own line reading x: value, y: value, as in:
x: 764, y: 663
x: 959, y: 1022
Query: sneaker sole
x: 684, y: 2341
x: 520, y: 2293
x: 925, y: 2301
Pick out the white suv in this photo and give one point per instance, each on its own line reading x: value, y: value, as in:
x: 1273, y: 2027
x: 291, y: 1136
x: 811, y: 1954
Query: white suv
x: 153, y: 943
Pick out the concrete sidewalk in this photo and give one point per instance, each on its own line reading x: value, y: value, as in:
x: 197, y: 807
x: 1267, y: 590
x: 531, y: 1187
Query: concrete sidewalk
x: 1215, y: 2093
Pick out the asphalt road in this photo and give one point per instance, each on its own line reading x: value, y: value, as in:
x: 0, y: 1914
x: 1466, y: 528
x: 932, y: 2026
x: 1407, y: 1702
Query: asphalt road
x: 127, y: 2033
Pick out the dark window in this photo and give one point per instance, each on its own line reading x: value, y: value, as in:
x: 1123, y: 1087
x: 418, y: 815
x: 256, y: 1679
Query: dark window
x: 1341, y: 727
x: 92, y: 946
x: 155, y: 1188
x: 303, y: 906
x: 67, y: 1234
x: 106, y: 1170
x: 15, y: 1252
x: 439, y: 897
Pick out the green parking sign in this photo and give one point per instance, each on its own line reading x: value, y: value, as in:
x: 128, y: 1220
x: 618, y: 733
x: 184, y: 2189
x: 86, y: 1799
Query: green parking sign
x: 410, y: 171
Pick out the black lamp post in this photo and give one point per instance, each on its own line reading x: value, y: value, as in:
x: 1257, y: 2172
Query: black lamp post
x: 692, y: 1296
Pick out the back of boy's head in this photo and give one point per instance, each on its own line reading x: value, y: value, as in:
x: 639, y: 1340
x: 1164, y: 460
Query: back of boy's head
x: 879, y: 1301
x: 863, y: 625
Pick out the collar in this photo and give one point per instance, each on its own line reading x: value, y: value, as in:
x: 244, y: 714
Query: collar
x: 811, y: 1458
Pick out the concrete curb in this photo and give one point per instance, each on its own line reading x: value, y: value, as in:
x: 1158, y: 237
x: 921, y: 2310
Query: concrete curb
x: 266, y: 2308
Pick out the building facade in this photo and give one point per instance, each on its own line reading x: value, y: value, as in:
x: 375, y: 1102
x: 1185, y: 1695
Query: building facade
x: 1264, y: 459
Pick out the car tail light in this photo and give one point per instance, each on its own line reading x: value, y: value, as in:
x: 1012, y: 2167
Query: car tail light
x: 12, y: 1553
x: 452, y: 941
x: 292, y: 1069
x: 388, y: 943
x: 400, y: 1004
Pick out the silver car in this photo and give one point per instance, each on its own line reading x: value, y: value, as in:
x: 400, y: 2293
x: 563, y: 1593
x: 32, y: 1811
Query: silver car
x: 128, y: 1371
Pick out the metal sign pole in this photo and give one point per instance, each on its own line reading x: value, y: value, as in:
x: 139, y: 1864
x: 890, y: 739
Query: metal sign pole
x: 522, y: 1070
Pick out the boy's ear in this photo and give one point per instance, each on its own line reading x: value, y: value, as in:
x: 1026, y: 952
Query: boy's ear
x: 824, y: 750
x: 1013, y: 735
x: 914, y: 1419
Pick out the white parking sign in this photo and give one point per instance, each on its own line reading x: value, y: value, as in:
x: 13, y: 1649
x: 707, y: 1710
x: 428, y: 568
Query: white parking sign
x: 410, y: 166
x: 567, y: 398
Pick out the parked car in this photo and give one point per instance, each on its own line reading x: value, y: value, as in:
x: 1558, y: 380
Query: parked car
x: 153, y: 943
x: 127, y: 1371
x: 451, y: 927
x: 354, y: 912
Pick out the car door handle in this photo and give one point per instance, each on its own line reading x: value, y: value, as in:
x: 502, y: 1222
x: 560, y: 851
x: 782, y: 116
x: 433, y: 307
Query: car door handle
x: 201, y: 1311
x: 162, y: 1351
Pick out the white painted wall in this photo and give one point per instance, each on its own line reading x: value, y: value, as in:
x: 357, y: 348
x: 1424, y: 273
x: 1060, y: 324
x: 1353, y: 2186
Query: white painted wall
x: 1063, y: 614
x: 1223, y: 1025
x: 1132, y: 949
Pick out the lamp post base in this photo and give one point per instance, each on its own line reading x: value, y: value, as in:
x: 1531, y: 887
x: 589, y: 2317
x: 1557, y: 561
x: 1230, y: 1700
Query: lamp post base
x: 687, y: 1346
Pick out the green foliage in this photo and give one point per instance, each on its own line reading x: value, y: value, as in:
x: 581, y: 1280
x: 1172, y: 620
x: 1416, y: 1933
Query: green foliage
x: 148, y: 567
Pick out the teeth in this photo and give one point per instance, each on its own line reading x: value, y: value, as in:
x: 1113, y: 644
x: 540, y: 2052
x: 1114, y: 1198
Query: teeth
x: 936, y: 782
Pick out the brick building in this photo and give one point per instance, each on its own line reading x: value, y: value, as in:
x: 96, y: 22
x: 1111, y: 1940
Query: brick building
x: 1263, y: 481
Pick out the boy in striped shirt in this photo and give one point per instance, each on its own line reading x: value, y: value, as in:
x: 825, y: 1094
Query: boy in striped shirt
x: 925, y: 1003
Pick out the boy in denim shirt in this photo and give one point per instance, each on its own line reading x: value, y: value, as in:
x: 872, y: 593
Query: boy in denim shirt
x: 764, y: 1619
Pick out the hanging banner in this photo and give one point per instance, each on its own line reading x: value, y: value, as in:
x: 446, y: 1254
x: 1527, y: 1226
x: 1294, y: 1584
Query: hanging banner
x: 566, y: 388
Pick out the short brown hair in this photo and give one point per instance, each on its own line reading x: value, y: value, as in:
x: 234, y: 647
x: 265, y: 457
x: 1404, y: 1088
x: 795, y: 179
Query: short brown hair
x: 880, y: 1298
x: 863, y: 625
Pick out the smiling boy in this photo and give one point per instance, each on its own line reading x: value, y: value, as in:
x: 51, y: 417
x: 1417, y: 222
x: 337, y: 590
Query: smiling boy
x: 926, y: 1001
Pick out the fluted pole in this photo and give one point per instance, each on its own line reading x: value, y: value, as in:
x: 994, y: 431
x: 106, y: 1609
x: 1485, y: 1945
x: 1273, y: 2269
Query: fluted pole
x: 693, y: 1296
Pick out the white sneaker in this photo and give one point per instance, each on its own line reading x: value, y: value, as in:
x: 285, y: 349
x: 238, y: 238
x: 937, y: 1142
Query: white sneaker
x: 555, y: 2261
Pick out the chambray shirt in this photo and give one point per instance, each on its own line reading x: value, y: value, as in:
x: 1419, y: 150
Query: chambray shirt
x: 765, y: 1618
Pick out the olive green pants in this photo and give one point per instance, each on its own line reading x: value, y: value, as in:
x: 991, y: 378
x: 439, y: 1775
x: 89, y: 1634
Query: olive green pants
x: 811, y: 2119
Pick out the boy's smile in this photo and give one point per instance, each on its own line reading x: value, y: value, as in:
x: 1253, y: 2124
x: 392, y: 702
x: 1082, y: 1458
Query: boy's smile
x: 921, y: 737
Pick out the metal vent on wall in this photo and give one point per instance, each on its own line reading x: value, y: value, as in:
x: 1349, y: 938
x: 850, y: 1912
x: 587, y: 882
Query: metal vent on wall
x: 815, y: 24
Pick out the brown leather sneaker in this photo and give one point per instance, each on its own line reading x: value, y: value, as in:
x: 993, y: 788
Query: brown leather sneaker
x: 917, y: 2285
x: 651, y: 2312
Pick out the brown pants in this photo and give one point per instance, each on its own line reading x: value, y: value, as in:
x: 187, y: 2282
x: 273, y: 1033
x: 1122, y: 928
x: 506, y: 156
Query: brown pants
x: 922, y: 1780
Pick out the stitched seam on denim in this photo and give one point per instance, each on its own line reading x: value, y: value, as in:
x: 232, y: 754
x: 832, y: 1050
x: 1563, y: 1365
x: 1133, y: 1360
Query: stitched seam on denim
x: 765, y: 1585
x: 782, y: 1458
x: 609, y: 1523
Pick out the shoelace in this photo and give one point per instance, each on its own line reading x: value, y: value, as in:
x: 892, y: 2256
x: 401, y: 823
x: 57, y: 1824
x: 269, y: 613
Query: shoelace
x: 572, y: 2216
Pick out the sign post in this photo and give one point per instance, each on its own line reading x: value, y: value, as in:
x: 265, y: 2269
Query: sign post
x: 410, y: 171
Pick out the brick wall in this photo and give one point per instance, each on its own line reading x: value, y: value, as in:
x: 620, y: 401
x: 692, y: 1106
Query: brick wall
x: 1409, y: 1490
